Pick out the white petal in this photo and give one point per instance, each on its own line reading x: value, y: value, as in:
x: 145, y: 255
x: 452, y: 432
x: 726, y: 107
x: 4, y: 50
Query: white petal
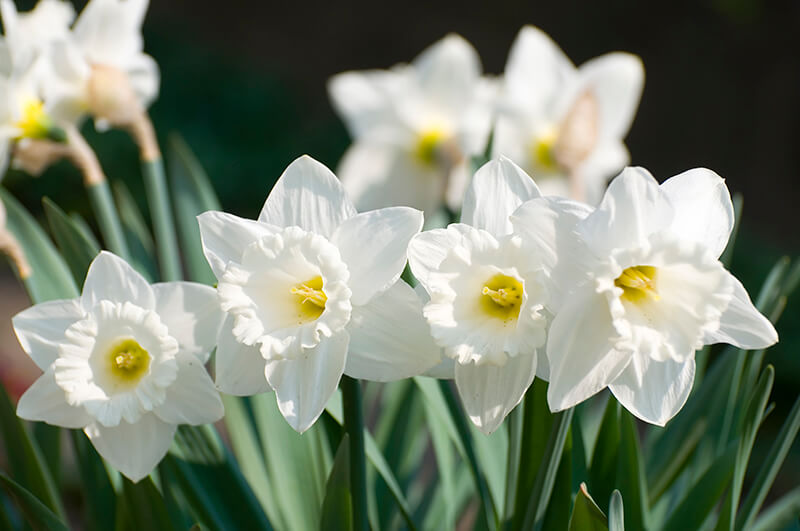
x: 497, y: 189
x: 616, y: 81
x: 536, y: 69
x: 547, y: 228
x: 448, y: 72
x: 308, y: 195
x: 40, y: 329
x: 703, y: 208
x: 144, y: 77
x: 133, y: 449
x: 239, y: 368
x: 389, y: 338
x: 374, y: 247
x: 110, y: 30
x: 191, y: 398
x: 489, y: 392
x: 225, y: 237
x: 633, y: 208
x: 605, y: 161
x: 46, y: 401
x: 444, y: 370
x: 654, y: 390
x: 378, y: 175
x: 362, y: 99
x: 304, y: 384
x: 580, y: 350
x: 112, y: 278
x: 192, y: 314
x: 427, y: 249
x: 741, y: 324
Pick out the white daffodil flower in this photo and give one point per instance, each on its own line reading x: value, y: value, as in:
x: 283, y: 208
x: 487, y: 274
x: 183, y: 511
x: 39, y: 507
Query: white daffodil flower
x: 124, y: 362
x: 563, y: 124
x: 653, y: 292
x: 414, y: 127
x: 311, y: 291
x: 101, y: 68
x: 490, y: 294
x: 30, y: 34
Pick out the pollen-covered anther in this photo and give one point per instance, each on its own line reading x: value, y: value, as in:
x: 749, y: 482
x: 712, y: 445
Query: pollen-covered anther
x: 311, y: 299
x: 34, y: 123
x: 428, y: 144
x: 638, y: 283
x: 502, y: 297
x: 129, y: 362
x: 543, y: 150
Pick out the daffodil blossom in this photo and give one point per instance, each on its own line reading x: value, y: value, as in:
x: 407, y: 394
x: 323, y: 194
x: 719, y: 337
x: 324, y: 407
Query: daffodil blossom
x: 415, y: 127
x: 101, y: 68
x: 30, y: 34
x: 490, y: 295
x: 563, y: 124
x: 124, y: 362
x: 653, y: 292
x: 311, y: 291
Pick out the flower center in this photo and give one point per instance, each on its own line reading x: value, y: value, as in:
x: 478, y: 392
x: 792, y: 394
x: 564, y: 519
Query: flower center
x: 128, y: 362
x: 543, y: 151
x: 428, y: 144
x: 638, y: 284
x: 35, y: 123
x: 310, y: 299
x: 502, y: 297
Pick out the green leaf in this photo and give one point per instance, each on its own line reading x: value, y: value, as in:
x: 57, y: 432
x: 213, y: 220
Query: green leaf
x: 297, y: 465
x: 247, y: 449
x: 586, y: 515
x: 630, y: 475
x: 603, y: 468
x: 616, y: 513
x: 546, y: 475
x: 536, y: 421
x: 769, y: 469
x: 25, y: 460
x: 137, y: 234
x: 666, y: 469
x: 780, y: 514
x: 445, y: 462
x: 141, y: 506
x: 76, y: 248
x: 753, y: 418
x: 200, y: 463
x: 558, y: 508
x: 36, y: 514
x: 374, y: 455
x: 98, y: 493
x: 107, y: 217
x: 337, y: 513
x: 192, y: 194
x: 51, y: 278
x: 704, y: 494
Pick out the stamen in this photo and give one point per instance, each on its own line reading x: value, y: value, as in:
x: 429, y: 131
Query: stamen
x: 35, y: 123
x: 502, y: 297
x: 311, y: 301
x: 128, y: 363
x: 428, y: 145
x: 543, y: 150
x: 638, y: 283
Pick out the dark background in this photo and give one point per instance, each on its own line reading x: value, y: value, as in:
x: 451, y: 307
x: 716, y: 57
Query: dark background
x: 244, y: 83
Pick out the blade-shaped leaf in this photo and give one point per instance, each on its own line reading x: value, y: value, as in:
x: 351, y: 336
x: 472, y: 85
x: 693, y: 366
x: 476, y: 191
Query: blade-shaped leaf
x: 337, y: 513
x: 616, y: 513
x: 76, y: 248
x: 603, y: 468
x: 141, y: 506
x: 95, y: 485
x: 779, y: 514
x: 36, y: 514
x: 140, y: 242
x: 586, y: 515
x: 630, y: 474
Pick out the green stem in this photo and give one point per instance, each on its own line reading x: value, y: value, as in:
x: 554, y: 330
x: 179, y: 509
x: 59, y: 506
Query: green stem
x: 354, y: 425
x: 546, y: 476
x: 514, y: 422
x: 107, y: 219
x: 469, y: 449
x: 163, y: 224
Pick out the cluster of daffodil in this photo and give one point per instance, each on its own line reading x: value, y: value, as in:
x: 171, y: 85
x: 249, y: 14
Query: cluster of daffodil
x: 547, y: 274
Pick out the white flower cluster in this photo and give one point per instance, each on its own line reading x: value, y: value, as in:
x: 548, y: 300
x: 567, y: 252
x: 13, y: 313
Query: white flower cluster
x: 54, y: 73
x: 619, y: 295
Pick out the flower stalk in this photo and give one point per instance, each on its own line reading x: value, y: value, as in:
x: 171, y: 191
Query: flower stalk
x: 155, y: 184
x: 354, y: 425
